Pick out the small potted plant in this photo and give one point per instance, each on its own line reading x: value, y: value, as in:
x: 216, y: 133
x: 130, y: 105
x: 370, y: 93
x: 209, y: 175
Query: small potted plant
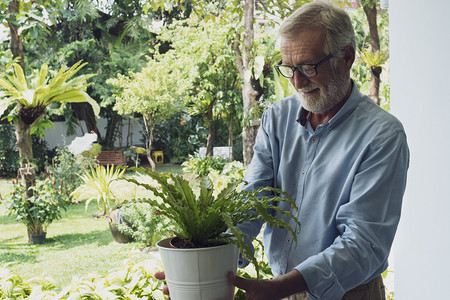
x: 39, y: 209
x: 98, y: 184
x: 197, y: 260
x: 107, y: 187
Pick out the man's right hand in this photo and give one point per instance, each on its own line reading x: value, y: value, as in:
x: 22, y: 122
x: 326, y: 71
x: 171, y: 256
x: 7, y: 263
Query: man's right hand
x: 161, y: 276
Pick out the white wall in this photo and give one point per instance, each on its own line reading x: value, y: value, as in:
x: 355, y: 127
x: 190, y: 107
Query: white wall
x: 420, y: 83
x: 57, y: 136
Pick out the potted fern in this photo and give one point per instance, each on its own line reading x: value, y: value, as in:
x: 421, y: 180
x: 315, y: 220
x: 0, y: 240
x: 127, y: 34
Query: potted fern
x: 207, y: 222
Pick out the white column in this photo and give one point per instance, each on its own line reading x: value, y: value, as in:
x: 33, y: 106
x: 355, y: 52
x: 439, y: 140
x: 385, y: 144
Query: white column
x: 420, y: 98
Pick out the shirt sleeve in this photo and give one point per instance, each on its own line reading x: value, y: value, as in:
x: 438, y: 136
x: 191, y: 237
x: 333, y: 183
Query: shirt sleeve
x: 367, y: 223
x: 260, y: 173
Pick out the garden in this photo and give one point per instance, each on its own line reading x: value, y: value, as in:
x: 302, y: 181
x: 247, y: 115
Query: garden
x: 80, y: 257
x: 191, y: 75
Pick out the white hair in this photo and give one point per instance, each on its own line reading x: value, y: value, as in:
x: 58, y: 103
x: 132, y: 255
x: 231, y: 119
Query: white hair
x: 321, y: 16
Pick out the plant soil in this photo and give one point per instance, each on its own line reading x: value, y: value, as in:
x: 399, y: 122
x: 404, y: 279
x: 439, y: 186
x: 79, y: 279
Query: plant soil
x: 180, y: 243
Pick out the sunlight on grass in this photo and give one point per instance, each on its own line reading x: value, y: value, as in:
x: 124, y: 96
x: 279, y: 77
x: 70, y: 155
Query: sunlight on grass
x: 77, y: 245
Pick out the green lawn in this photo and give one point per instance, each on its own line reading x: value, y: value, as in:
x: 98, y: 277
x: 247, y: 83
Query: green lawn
x: 77, y: 245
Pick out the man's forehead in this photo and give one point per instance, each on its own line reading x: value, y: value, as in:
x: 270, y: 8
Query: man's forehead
x: 309, y: 36
x: 304, y: 47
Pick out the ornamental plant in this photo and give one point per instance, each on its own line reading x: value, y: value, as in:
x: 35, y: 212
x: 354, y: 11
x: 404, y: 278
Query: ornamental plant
x: 210, y: 217
x: 97, y: 185
x: 48, y: 199
x: 25, y: 101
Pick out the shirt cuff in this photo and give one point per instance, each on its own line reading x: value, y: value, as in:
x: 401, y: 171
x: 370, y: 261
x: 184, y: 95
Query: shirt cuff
x: 322, y: 282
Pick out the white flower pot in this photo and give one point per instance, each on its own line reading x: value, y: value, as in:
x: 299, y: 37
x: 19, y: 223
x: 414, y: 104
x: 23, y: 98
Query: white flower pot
x: 199, y: 273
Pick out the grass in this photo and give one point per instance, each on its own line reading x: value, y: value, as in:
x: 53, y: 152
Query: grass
x: 172, y: 168
x: 77, y: 245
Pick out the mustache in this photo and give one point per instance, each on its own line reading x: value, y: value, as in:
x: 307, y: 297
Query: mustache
x: 308, y: 88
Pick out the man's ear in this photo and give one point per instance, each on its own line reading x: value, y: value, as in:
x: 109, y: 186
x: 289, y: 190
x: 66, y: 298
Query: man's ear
x: 349, y: 56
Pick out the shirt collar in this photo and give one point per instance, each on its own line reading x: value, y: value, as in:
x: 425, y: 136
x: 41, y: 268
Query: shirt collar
x: 343, y: 113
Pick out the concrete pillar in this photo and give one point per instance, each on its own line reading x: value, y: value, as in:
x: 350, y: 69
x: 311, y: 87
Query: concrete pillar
x: 420, y: 98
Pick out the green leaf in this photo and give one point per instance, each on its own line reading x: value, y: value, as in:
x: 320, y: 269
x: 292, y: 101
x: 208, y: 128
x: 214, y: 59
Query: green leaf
x: 258, y: 66
x: 42, y: 75
x: 21, y: 82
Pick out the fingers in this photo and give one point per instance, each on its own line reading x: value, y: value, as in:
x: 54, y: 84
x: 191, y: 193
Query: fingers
x: 237, y: 281
x: 165, y: 291
x: 160, y: 275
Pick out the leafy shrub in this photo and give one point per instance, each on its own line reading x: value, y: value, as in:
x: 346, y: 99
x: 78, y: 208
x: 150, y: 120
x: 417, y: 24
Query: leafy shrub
x: 41, y: 208
x: 9, y: 158
x: 202, y: 166
x: 179, y: 138
x: 144, y: 223
x: 12, y: 286
x: 10, y: 154
x: 237, y: 148
x: 134, y: 280
x: 66, y: 167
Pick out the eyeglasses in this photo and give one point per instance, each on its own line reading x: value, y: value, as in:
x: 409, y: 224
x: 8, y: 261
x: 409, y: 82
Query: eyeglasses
x: 307, y: 70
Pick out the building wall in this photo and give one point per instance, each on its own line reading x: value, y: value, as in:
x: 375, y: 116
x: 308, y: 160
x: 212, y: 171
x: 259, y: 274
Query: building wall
x: 419, y: 46
x: 57, y: 137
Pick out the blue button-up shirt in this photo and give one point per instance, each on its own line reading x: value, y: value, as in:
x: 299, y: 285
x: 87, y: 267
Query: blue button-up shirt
x: 347, y: 177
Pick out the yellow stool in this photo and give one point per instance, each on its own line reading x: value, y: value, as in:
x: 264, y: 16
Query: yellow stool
x: 158, y: 157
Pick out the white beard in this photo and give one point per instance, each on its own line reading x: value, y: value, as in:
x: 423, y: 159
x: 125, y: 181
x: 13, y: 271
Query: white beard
x: 323, y: 101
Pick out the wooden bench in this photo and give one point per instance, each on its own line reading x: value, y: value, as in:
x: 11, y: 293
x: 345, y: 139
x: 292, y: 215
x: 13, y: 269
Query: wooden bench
x: 111, y: 157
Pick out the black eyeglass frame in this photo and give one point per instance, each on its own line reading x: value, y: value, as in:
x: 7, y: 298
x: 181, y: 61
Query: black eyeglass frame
x: 300, y: 67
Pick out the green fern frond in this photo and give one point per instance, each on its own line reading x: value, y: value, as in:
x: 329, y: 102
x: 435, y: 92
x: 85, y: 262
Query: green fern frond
x: 203, y: 219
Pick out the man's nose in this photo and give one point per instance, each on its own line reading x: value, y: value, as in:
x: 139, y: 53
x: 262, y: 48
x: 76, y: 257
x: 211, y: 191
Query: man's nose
x: 299, y: 80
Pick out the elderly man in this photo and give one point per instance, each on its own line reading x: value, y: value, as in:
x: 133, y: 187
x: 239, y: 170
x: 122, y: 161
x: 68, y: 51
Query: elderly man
x: 340, y: 156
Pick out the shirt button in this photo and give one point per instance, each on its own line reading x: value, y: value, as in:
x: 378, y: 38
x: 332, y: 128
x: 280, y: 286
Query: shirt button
x: 281, y: 273
x: 313, y: 140
x: 289, y: 240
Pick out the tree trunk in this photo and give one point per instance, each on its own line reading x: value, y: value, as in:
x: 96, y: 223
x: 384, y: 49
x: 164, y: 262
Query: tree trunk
x: 84, y: 112
x: 16, y: 40
x: 149, y: 126
x: 250, y: 94
x: 371, y: 13
x: 230, y: 137
x: 26, y: 172
x: 211, y: 131
x: 112, y: 129
x: 249, y: 132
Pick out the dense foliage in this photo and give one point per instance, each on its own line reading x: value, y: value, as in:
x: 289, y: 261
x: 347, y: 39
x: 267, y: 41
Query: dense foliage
x: 49, y: 198
x: 10, y: 155
x: 203, y: 218
x: 144, y: 223
x: 133, y: 280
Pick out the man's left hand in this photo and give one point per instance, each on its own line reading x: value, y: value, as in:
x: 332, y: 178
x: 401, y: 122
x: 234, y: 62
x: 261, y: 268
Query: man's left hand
x: 277, y: 288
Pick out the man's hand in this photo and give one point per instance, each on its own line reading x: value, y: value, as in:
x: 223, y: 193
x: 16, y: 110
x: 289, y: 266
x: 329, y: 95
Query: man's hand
x: 254, y: 289
x: 277, y: 288
x: 161, y: 276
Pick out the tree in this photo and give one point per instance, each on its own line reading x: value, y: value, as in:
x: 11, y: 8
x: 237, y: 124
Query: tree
x: 152, y: 93
x: 113, y: 36
x: 252, y: 68
x: 205, y: 48
x: 376, y: 59
x: 26, y: 101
